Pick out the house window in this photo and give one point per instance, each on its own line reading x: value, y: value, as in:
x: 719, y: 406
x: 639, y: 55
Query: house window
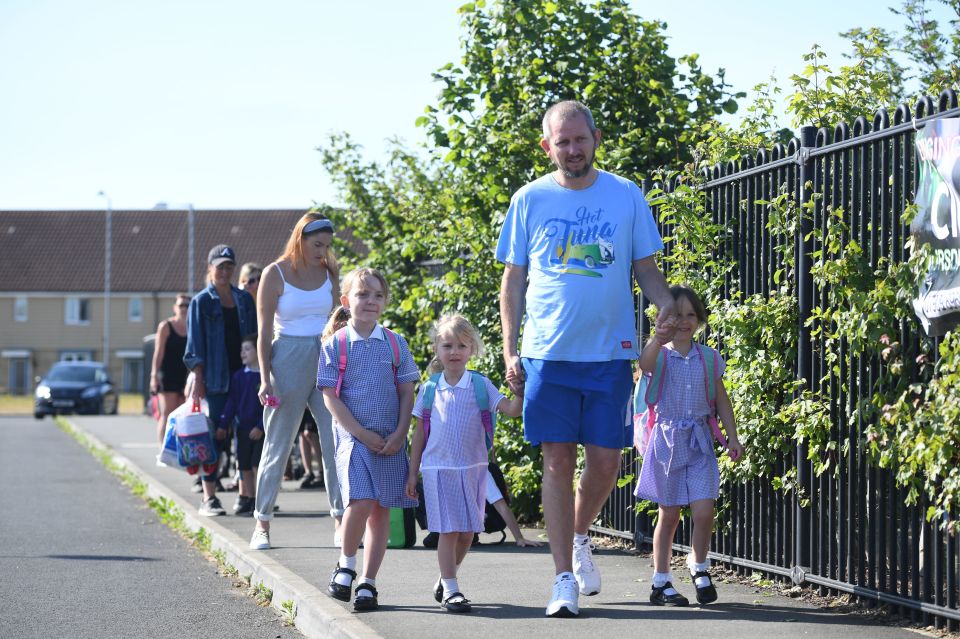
x: 135, y: 309
x: 77, y: 310
x: 19, y: 369
x: 20, y: 308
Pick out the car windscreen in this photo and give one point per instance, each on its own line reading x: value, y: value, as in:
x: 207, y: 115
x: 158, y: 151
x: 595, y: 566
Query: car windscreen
x: 72, y: 374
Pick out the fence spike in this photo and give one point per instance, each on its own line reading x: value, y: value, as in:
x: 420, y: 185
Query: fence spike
x: 860, y: 126
x: 903, y: 114
x: 948, y: 100
x: 881, y: 119
x: 924, y: 107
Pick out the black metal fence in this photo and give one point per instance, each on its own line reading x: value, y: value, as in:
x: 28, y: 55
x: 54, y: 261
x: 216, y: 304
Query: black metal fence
x: 856, y: 535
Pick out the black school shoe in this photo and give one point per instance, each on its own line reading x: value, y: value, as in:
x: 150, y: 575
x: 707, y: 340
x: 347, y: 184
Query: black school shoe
x: 438, y: 592
x: 339, y: 591
x: 244, y: 506
x: 707, y: 594
x: 456, y: 602
x: 367, y: 601
x: 659, y: 598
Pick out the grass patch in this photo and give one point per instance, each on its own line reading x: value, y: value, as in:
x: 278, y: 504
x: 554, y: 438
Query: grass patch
x: 261, y: 594
x: 289, y: 611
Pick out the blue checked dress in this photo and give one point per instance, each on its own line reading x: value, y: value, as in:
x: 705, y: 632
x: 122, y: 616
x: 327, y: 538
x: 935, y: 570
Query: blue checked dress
x: 680, y: 465
x: 370, y: 393
x: 454, y: 462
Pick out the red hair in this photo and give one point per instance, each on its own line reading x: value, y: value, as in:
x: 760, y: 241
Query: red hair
x: 293, y: 251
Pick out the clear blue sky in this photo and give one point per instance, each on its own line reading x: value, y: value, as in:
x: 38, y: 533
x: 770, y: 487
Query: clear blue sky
x: 222, y: 102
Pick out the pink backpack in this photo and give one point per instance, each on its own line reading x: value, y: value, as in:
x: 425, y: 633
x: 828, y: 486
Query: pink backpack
x: 341, y: 350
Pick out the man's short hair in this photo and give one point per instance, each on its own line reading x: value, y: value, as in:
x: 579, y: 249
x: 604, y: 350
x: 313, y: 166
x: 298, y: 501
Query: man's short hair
x: 565, y: 110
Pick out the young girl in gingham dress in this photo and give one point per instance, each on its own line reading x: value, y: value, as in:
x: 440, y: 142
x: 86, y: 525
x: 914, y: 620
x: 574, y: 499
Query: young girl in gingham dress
x: 679, y: 464
x: 453, y: 459
x: 371, y: 419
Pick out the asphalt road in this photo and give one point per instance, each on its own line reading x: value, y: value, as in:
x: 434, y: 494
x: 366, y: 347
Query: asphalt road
x: 80, y: 556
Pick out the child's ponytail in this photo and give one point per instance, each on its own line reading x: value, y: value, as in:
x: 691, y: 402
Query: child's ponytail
x: 337, y: 320
x: 435, y: 366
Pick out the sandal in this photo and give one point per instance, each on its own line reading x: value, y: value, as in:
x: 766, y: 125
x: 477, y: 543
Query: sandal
x: 456, y: 602
x: 706, y: 594
x: 339, y: 591
x: 658, y: 597
x: 365, y: 602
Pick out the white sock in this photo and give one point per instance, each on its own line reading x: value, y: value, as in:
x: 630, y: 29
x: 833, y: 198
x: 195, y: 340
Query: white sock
x: 350, y: 563
x: 579, y: 540
x: 661, y: 578
x: 450, y: 586
x: 366, y: 593
x: 695, y: 567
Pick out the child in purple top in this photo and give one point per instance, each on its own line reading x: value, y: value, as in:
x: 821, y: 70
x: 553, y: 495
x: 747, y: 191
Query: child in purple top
x: 680, y: 464
x: 244, y: 406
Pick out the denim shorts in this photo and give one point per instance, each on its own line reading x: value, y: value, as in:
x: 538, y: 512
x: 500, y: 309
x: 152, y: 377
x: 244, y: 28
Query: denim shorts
x: 577, y: 402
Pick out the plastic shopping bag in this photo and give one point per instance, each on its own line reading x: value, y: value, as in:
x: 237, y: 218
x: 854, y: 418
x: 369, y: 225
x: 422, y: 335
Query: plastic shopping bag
x: 169, y: 455
x: 195, y: 444
x: 168, y: 451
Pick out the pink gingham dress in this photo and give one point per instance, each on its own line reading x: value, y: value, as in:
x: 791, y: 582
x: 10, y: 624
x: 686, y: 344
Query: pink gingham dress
x: 680, y: 465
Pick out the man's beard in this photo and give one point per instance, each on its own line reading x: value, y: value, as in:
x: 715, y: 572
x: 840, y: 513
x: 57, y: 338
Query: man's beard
x: 587, y: 166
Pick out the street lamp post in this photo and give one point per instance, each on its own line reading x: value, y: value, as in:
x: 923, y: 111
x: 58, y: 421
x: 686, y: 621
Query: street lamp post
x: 190, y: 254
x: 107, y: 259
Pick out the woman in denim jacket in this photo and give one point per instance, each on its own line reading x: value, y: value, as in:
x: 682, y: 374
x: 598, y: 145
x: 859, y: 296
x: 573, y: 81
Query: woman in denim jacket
x: 218, y: 318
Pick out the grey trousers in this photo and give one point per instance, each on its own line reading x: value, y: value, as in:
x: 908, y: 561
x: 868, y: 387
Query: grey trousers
x: 294, y: 378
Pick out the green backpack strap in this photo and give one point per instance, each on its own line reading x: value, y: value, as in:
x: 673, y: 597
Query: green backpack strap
x: 655, y: 387
x: 483, y: 403
x: 429, y: 393
x: 711, y: 367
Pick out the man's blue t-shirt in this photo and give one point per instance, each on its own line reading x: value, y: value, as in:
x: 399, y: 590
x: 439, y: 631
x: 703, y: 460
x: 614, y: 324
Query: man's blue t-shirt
x: 579, y: 247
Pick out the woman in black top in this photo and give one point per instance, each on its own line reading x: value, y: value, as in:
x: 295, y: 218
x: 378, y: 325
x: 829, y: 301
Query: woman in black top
x: 168, y: 375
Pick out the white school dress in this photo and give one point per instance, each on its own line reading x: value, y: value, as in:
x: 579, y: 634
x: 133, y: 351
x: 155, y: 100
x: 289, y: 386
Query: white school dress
x: 454, y: 462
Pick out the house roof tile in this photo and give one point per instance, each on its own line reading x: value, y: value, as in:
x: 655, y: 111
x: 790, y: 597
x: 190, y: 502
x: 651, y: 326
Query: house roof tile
x: 63, y: 251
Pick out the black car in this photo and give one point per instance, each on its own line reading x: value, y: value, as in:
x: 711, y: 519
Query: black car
x: 75, y: 387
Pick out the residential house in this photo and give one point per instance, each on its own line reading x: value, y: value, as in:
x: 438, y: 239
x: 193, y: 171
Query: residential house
x: 52, y: 294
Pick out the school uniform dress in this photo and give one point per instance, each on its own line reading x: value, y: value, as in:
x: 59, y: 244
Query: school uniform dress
x: 454, y: 461
x: 370, y: 393
x: 680, y: 465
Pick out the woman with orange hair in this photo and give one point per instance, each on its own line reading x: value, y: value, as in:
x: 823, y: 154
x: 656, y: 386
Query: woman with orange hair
x: 296, y: 295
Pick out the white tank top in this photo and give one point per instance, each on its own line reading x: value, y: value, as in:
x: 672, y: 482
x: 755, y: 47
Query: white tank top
x: 302, y: 313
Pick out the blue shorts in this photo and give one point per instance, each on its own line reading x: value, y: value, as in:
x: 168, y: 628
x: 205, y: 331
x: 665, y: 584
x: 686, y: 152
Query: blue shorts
x: 578, y: 402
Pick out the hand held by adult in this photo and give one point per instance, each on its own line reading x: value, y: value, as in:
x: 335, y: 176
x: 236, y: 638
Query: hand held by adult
x: 515, y: 374
x: 665, y: 326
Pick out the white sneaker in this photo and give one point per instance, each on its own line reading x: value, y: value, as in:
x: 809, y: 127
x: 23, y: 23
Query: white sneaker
x: 585, y: 571
x: 260, y: 539
x: 563, y: 603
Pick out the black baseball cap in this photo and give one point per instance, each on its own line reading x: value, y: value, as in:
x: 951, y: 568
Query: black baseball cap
x: 221, y: 253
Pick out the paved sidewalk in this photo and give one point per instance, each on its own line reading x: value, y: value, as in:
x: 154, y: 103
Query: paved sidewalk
x: 509, y: 586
